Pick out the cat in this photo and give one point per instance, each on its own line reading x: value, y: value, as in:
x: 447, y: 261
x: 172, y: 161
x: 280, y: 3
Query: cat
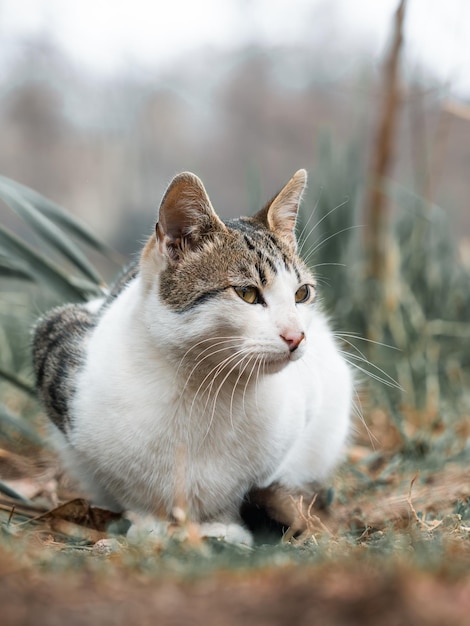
x: 209, y: 371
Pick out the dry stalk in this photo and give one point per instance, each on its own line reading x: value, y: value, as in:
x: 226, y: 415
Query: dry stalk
x: 307, y: 520
x: 377, y: 214
x: 422, y: 523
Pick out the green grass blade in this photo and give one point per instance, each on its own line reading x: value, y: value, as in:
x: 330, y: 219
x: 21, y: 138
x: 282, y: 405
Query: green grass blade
x: 18, y: 382
x: 87, y: 287
x: 10, y: 269
x: 10, y: 422
x: 59, y: 216
x: 43, y: 270
x: 48, y: 231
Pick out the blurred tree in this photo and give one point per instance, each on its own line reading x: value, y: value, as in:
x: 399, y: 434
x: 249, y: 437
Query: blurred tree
x: 377, y: 230
x: 35, y: 126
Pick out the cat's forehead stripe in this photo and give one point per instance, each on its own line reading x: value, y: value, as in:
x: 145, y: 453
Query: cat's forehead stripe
x: 245, y: 254
x: 262, y: 275
x: 261, y: 240
x: 249, y: 244
x: 269, y: 254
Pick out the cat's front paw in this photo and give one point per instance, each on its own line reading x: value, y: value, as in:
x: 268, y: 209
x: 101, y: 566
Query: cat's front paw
x: 146, y: 529
x: 231, y: 533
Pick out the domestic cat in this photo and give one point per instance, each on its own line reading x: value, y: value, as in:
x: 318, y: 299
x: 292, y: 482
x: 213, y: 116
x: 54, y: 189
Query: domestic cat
x: 209, y: 371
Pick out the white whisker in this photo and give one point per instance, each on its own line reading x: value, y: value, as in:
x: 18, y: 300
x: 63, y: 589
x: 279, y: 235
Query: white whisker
x: 221, y: 340
x: 321, y: 243
x: 357, y: 336
x: 321, y: 220
x: 257, y: 359
x: 362, y: 358
x: 212, y: 375
x: 357, y: 410
x: 389, y: 383
x: 323, y: 264
x: 217, y: 392
x: 208, y: 356
x: 232, y: 397
x: 301, y: 239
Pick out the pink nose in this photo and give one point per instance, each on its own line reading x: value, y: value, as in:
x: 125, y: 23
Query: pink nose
x: 293, y: 339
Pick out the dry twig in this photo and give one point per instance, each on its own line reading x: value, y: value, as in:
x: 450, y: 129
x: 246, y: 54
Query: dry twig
x: 422, y: 523
x: 311, y: 523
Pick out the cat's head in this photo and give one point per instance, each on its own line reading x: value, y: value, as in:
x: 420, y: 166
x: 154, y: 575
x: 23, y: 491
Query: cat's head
x: 234, y: 291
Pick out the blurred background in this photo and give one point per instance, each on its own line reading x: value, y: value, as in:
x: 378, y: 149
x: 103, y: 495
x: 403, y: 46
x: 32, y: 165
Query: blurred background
x: 103, y: 101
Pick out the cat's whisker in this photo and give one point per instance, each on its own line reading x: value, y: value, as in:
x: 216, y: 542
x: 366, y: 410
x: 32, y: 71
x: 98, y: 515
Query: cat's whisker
x: 322, y: 280
x: 321, y: 243
x: 389, y: 383
x: 362, y: 358
x: 338, y: 206
x: 341, y: 335
x: 261, y: 363
x: 223, y: 367
x: 220, y: 341
x: 216, y: 395
x: 212, y: 376
x: 226, y: 363
x: 208, y: 356
x: 193, y: 347
x: 232, y: 396
x: 257, y: 360
x: 357, y: 410
x: 301, y: 239
x: 323, y: 264
x: 351, y: 345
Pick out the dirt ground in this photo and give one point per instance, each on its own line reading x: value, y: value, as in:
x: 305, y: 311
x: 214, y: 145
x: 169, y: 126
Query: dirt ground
x: 392, y: 550
x: 303, y: 596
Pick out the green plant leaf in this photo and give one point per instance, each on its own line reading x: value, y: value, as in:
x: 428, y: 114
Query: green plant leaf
x: 43, y: 270
x: 11, y: 269
x: 87, y: 287
x: 18, y: 382
x: 48, y: 231
x: 62, y: 218
x: 10, y: 422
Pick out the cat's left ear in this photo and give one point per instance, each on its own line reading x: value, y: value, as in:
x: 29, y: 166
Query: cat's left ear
x: 280, y: 215
x: 186, y: 216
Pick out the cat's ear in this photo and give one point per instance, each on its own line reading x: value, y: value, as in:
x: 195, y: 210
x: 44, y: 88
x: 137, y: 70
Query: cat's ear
x: 280, y: 215
x: 185, y: 217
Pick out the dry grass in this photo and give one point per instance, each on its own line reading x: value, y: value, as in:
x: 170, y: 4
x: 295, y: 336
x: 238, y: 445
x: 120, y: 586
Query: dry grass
x: 393, y: 547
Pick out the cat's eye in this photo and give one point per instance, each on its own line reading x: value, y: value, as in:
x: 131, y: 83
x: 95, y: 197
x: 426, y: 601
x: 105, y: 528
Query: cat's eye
x: 249, y: 294
x: 303, y: 294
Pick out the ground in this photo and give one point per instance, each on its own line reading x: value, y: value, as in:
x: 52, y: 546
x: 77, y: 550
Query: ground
x: 392, y: 548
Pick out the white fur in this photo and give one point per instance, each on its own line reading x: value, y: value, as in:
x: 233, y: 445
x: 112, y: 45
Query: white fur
x: 146, y: 436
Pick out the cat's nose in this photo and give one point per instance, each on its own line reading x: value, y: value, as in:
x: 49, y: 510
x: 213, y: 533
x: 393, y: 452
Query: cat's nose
x: 293, y: 339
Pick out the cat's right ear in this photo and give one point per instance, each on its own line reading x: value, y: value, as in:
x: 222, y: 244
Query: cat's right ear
x: 185, y: 217
x: 280, y: 214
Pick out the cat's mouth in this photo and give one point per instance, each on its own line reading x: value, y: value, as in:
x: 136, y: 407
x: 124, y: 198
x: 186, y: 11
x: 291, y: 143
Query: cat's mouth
x: 275, y: 363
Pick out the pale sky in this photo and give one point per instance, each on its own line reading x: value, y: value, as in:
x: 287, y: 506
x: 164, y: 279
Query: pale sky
x: 104, y: 36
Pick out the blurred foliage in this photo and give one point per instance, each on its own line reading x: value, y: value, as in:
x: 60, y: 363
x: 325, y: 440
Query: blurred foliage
x: 35, y: 277
x: 410, y: 336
